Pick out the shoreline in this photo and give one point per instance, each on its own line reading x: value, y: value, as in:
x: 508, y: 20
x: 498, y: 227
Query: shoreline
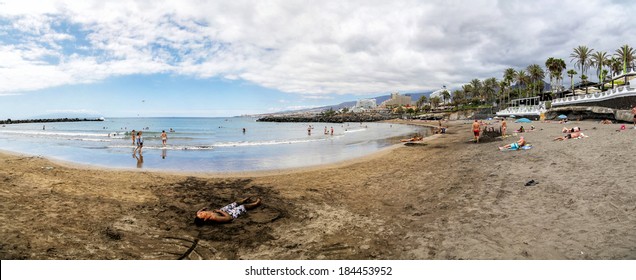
x: 447, y: 199
x: 233, y: 174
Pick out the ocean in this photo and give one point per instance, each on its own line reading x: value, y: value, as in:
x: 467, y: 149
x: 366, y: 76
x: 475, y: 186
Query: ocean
x: 201, y: 144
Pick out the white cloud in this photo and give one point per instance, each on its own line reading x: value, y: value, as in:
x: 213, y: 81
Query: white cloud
x: 325, y: 47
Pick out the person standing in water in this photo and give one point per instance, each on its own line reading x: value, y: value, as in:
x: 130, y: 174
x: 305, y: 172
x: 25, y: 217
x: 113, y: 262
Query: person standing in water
x: 133, y: 137
x: 140, y: 142
x: 164, y: 137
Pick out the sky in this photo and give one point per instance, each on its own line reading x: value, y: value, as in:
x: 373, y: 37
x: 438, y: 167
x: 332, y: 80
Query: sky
x: 227, y: 58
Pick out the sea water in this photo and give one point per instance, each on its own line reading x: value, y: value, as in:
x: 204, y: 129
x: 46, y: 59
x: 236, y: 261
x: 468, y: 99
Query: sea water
x: 201, y: 144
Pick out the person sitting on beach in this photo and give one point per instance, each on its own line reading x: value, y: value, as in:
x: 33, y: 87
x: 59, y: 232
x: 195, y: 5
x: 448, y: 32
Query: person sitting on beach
x: 521, y: 130
x: 573, y: 135
x: 226, y: 213
x: 516, y: 145
x: 570, y: 130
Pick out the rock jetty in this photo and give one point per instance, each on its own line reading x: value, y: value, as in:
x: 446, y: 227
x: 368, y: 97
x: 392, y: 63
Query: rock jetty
x: 9, y: 121
x: 340, y: 118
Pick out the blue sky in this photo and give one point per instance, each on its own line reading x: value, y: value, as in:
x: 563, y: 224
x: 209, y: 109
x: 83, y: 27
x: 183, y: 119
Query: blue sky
x: 227, y: 58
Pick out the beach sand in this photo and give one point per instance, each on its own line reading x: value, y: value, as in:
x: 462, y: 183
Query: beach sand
x: 446, y: 198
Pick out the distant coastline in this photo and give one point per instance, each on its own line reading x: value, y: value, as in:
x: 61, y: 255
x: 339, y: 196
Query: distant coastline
x: 10, y: 121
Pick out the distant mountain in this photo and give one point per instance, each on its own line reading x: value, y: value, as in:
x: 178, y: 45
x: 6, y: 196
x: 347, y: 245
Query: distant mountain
x: 379, y: 99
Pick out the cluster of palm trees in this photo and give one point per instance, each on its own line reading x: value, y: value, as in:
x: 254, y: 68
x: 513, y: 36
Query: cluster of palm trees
x: 529, y: 82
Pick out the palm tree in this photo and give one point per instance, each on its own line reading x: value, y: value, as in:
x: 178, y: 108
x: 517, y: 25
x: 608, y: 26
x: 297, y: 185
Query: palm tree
x: 536, y: 74
x: 458, y: 97
x: 626, y: 55
x: 551, y: 65
x: 420, y: 101
x: 559, y: 66
x: 615, y: 65
x: 604, y: 74
x: 521, y: 79
x: 489, y: 88
x: 600, y: 59
x: 571, y: 74
x: 503, y: 87
x: 509, y: 76
x: 476, y: 86
x: 468, y: 91
x: 581, y: 55
x: 435, y: 101
x: 445, y: 95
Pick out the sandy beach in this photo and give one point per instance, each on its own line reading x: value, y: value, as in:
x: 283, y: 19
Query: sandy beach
x: 446, y: 198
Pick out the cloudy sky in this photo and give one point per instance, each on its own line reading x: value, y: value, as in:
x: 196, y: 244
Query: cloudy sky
x: 226, y: 58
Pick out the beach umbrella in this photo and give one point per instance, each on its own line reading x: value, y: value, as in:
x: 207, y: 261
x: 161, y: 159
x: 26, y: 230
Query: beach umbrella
x: 523, y: 120
x: 562, y: 117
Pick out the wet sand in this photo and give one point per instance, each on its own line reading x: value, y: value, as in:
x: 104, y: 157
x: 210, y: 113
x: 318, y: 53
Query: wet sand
x: 446, y: 198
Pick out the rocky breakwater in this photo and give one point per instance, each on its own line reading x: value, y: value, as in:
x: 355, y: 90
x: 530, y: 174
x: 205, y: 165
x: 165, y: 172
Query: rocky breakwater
x: 9, y: 121
x: 339, y: 118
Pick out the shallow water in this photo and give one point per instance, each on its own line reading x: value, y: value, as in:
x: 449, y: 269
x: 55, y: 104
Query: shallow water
x: 201, y: 144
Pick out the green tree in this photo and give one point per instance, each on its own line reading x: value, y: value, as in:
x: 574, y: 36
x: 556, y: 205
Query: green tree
x: 445, y: 96
x: 571, y: 74
x: 559, y: 67
x: 600, y: 60
x: 459, y: 97
x: 476, y: 88
x: 626, y: 54
x: 435, y: 101
x: 582, y: 57
x: 522, y: 79
x: 421, y: 101
x: 489, y: 89
x: 536, y: 74
x: 615, y: 64
x: 509, y: 76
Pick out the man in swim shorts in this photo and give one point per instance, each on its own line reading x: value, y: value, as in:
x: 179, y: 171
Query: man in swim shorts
x: 476, y: 130
x: 516, y: 145
x: 634, y: 113
x: 226, y: 213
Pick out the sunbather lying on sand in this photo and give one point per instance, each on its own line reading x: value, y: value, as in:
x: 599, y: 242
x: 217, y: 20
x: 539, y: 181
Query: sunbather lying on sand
x: 570, y: 130
x: 415, y: 138
x: 570, y: 136
x: 227, y: 213
x: 605, y: 122
x: 516, y: 145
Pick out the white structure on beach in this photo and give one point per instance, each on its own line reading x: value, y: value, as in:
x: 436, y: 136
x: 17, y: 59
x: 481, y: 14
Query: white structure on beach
x: 363, y: 105
x: 397, y: 100
x: 627, y: 90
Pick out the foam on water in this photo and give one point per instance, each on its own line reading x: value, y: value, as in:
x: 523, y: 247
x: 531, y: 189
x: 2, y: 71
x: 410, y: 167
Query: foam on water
x: 200, y: 144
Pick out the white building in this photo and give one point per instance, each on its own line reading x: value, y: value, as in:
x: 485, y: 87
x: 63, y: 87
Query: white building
x: 438, y: 93
x: 364, y: 105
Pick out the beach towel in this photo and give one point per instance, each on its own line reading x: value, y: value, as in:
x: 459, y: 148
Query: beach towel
x: 514, y: 148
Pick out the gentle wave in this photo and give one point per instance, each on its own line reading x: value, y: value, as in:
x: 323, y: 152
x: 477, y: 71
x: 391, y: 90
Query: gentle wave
x: 355, y: 130
x: 170, y: 147
x: 47, y: 133
x: 272, y: 142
